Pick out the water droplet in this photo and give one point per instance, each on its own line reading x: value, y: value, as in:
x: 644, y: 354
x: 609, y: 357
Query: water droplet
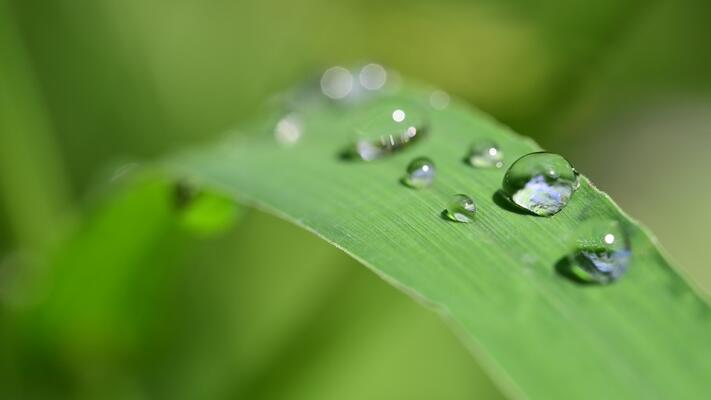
x: 386, y: 127
x: 461, y: 209
x: 288, y: 130
x: 601, y: 251
x: 541, y: 183
x: 372, y: 76
x: 337, y: 82
x: 420, y: 173
x: 439, y: 100
x: 485, y: 154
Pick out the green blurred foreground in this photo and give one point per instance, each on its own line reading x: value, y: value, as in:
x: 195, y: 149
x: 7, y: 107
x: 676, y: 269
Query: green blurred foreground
x: 122, y: 300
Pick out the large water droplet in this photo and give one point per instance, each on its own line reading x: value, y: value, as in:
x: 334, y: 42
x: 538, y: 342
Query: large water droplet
x: 485, y: 154
x: 600, y: 252
x: 541, y: 183
x: 420, y: 173
x: 461, y: 209
x: 288, y: 130
x: 386, y: 127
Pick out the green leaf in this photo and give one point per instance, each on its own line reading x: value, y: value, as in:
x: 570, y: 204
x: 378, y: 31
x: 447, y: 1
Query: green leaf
x: 539, y: 334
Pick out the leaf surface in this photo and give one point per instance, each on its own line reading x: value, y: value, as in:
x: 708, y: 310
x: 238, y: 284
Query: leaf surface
x: 539, y: 334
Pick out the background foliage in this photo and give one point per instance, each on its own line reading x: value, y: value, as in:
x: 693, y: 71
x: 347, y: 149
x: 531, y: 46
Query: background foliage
x: 622, y: 88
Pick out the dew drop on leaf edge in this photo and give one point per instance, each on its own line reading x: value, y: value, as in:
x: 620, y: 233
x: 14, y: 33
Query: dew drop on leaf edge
x: 600, y: 251
x: 542, y: 183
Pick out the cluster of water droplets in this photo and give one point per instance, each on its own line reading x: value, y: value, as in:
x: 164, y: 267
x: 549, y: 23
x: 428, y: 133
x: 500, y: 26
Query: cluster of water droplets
x: 539, y: 183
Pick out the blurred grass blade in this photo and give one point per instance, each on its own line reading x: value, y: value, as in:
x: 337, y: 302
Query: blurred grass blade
x: 32, y: 182
x: 538, y: 334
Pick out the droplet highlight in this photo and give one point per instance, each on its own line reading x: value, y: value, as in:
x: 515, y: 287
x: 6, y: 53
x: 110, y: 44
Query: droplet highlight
x: 439, y: 100
x: 420, y: 173
x: 337, y: 83
x: 541, y: 183
x: 485, y: 154
x: 601, y: 252
x: 288, y: 130
x: 373, y: 76
x: 461, y: 209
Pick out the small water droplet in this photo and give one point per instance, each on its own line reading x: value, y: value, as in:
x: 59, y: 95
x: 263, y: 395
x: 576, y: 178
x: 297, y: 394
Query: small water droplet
x: 541, y: 183
x: 439, y: 100
x: 601, y: 251
x: 288, y: 130
x: 385, y: 128
x: 373, y: 76
x: 420, y: 173
x: 485, y: 154
x: 337, y: 82
x: 461, y: 209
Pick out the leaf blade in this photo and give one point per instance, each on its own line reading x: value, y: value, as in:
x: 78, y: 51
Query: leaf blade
x: 495, y: 278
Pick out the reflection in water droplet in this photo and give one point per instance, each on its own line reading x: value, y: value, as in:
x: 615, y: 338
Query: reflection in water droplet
x: 386, y: 127
x: 439, y: 100
x: 461, y: 209
x: 541, y: 183
x: 600, y: 251
x: 420, y: 173
x: 288, y: 130
x: 337, y: 82
x: 485, y: 154
x: 369, y: 151
x: 372, y: 76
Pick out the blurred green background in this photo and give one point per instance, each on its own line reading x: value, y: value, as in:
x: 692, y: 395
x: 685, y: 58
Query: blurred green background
x: 116, y: 299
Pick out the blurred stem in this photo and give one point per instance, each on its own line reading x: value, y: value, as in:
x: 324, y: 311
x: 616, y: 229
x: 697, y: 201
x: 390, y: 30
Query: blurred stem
x: 33, y: 188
